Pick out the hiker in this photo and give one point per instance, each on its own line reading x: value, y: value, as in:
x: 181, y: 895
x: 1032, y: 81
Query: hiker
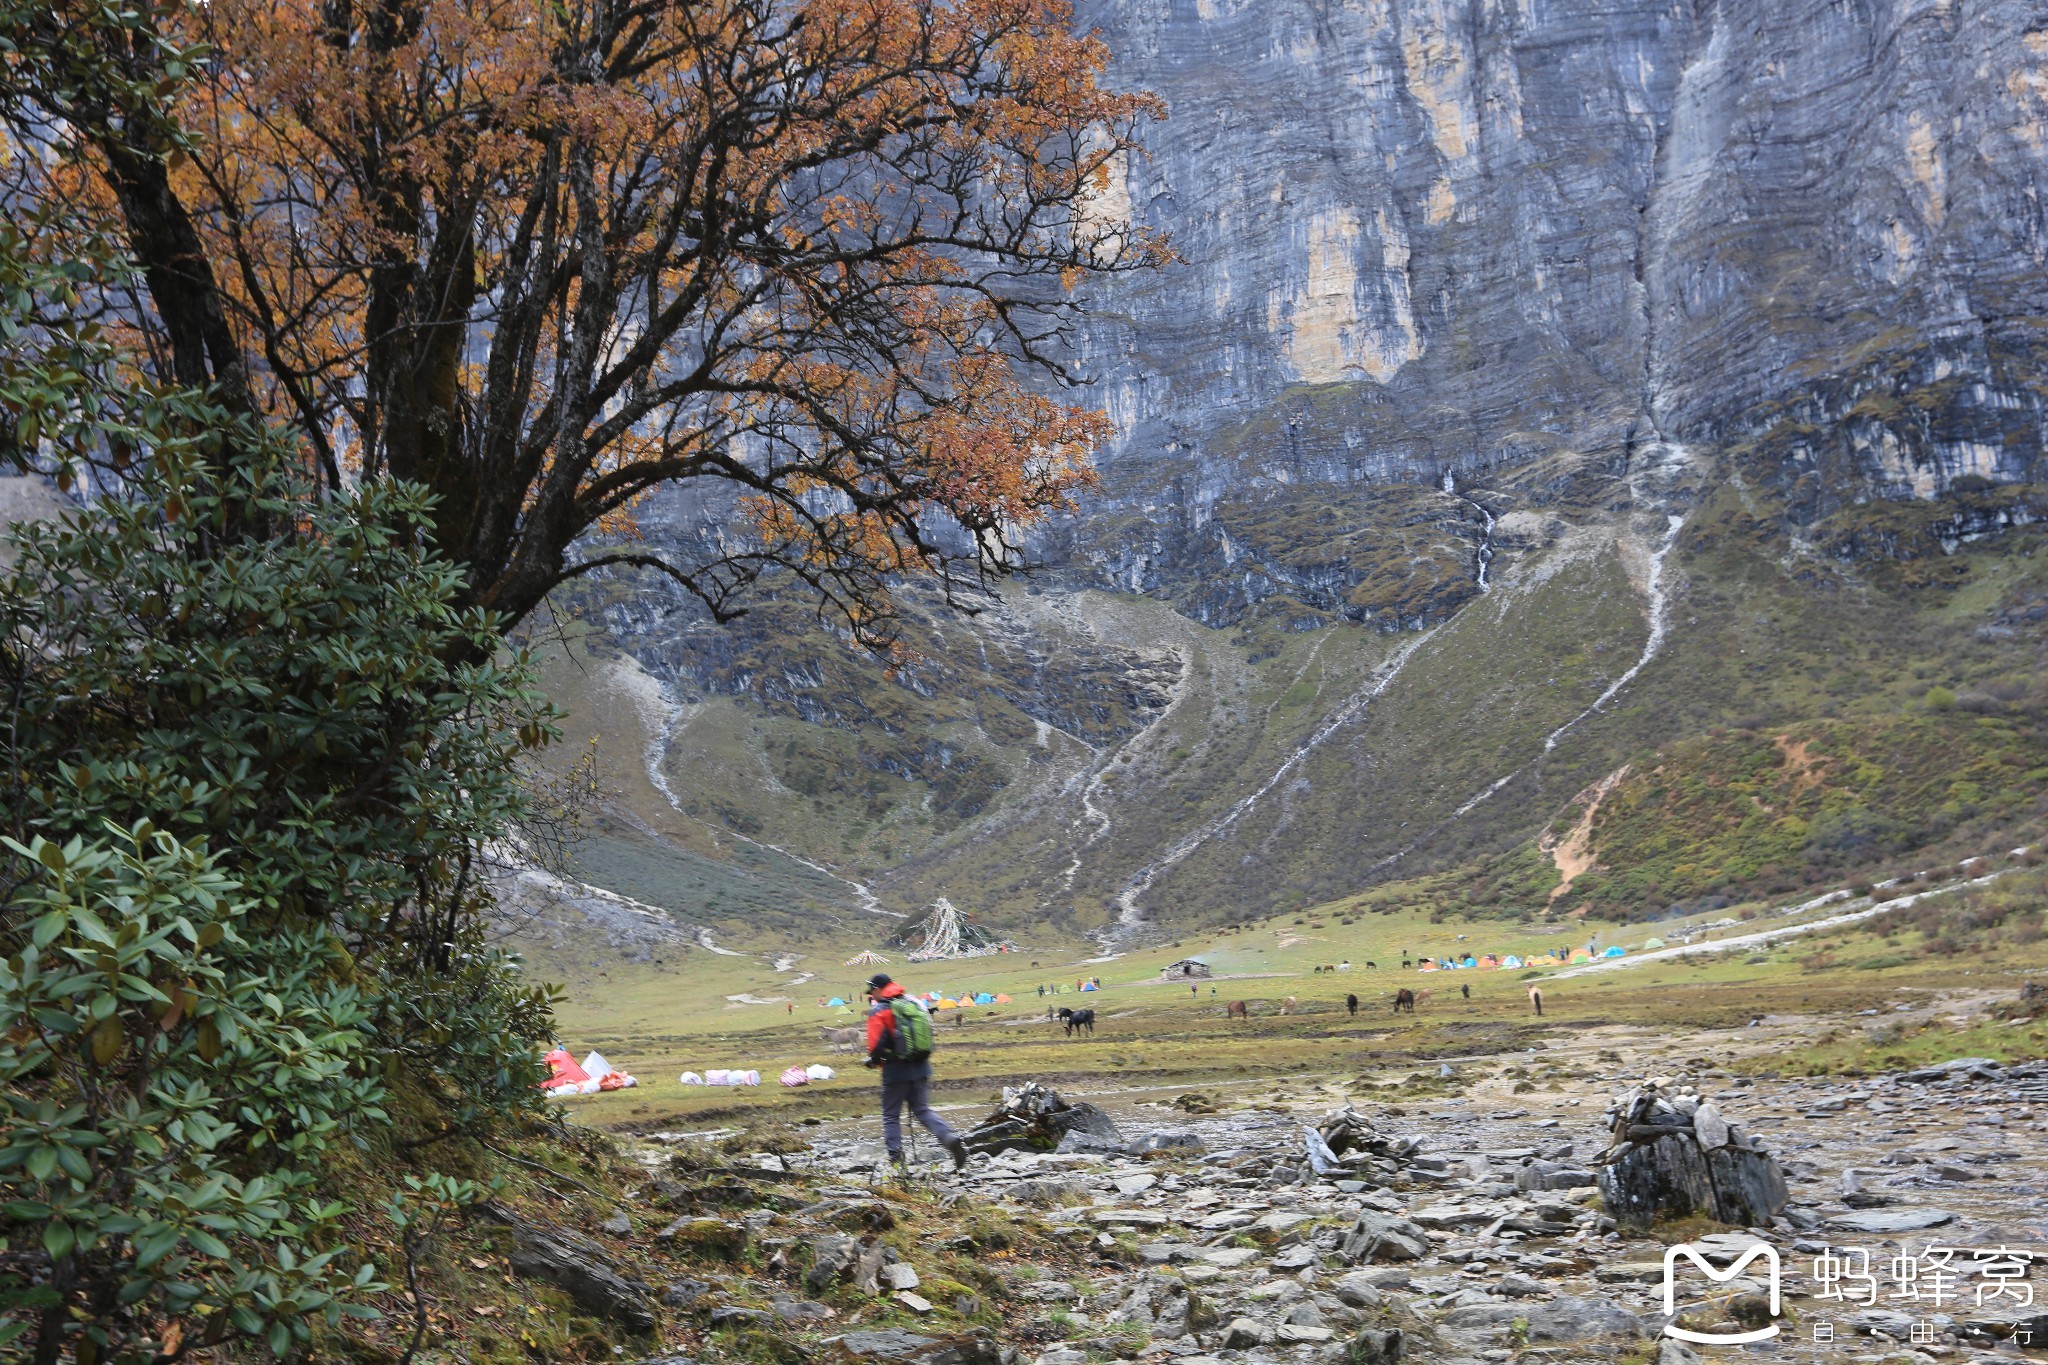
x: 900, y: 1043
x: 1194, y: 991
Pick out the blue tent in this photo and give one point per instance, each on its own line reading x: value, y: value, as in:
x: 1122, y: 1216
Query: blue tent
x: 835, y: 1000
x: 984, y: 998
x: 1616, y: 951
x: 1511, y: 961
x: 1087, y: 985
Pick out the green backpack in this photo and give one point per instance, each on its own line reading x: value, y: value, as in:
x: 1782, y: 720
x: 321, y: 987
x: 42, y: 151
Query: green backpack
x: 913, y: 1035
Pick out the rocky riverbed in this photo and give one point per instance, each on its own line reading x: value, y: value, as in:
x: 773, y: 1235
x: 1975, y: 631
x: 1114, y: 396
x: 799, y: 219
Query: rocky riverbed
x: 1464, y: 1225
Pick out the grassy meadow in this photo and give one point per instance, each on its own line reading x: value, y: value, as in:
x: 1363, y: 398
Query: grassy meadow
x: 1833, y: 996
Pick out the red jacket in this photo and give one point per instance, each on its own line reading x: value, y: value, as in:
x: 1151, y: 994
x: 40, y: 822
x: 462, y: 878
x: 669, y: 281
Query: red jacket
x: 882, y: 1023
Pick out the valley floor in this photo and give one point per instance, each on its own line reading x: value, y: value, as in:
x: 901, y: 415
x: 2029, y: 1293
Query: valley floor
x: 745, y: 1227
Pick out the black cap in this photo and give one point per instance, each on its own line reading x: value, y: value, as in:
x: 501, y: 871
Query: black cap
x: 878, y: 980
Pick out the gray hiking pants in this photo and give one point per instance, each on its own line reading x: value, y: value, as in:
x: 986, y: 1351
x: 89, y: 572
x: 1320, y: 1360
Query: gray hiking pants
x: 917, y: 1094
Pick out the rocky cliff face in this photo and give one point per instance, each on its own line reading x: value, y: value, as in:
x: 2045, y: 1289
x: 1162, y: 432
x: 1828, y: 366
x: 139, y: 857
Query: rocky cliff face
x: 1423, y: 236
x: 1535, y: 376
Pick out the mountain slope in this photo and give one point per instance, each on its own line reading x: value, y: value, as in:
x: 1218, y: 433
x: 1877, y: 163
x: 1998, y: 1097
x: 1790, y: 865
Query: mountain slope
x: 1545, y: 388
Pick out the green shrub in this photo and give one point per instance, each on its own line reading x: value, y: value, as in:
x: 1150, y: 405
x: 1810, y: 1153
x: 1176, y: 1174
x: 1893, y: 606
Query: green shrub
x: 170, y: 1084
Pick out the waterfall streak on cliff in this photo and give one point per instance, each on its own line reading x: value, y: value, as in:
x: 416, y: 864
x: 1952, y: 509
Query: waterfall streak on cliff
x: 1659, y: 611
x: 1660, y: 606
x: 657, y: 753
x: 1131, y: 916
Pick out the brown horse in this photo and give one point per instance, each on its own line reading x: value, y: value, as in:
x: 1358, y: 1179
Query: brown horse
x: 1404, y: 999
x: 1236, y: 1010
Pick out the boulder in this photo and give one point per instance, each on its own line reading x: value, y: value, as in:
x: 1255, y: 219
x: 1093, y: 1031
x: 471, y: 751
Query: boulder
x: 1383, y: 1237
x: 972, y: 1348
x: 1080, y: 1143
x: 580, y: 1267
x: 1166, y: 1140
x: 1368, y: 1348
x: 832, y: 1260
x: 1243, y: 1334
x: 1083, y: 1117
x: 1358, y: 1290
x: 1569, y: 1319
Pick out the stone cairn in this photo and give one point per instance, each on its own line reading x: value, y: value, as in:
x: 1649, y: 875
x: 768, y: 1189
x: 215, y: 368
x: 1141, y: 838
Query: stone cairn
x: 1034, y: 1118
x: 1360, y: 1150
x: 1672, y: 1155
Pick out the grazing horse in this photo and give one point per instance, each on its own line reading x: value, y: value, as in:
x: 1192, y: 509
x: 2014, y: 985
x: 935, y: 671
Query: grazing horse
x: 1374, y: 965
x: 1236, y: 1010
x: 1351, y: 1004
x: 1287, y: 1005
x: 1422, y: 997
x: 1536, y: 999
x: 1404, y: 999
x: 1077, y: 1020
x: 848, y: 1038
x: 1319, y: 971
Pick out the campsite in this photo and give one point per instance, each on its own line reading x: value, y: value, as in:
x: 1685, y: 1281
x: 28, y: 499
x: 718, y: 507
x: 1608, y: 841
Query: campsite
x: 1153, y: 1033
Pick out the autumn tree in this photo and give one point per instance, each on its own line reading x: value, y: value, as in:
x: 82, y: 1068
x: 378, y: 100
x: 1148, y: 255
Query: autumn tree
x: 813, y: 257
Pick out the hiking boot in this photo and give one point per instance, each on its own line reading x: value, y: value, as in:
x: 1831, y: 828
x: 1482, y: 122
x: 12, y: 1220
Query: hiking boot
x: 959, y: 1150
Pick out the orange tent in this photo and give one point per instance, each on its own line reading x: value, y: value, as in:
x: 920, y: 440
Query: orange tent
x: 564, y: 1070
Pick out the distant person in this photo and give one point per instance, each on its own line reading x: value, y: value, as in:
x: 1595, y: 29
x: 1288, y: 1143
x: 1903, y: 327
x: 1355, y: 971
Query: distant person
x: 900, y: 1043
x: 1351, y: 1004
x: 1194, y: 991
x: 1041, y: 992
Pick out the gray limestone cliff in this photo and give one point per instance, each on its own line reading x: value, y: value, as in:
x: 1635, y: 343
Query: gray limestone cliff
x: 1477, y: 235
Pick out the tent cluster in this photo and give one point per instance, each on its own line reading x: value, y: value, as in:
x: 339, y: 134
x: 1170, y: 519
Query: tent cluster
x: 566, y: 1078
x: 939, y: 1000
x: 1487, y: 962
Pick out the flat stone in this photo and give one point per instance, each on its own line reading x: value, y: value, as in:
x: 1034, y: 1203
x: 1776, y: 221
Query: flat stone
x: 1135, y: 1184
x: 1224, y: 1222
x: 1136, y: 1218
x: 803, y: 1310
x: 1046, y: 1291
x: 1569, y: 1319
x: 1230, y: 1258
x: 916, y: 1303
x: 900, y: 1276
x: 1294, y: 1332
x: 1294, y: 1258
x: 729, y: 1315
x: 1891, y: 1220
x: 1281, y: 1220
x: 888, y: 1343
x: 1517, y: 1286
x: 1455, y: 1215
